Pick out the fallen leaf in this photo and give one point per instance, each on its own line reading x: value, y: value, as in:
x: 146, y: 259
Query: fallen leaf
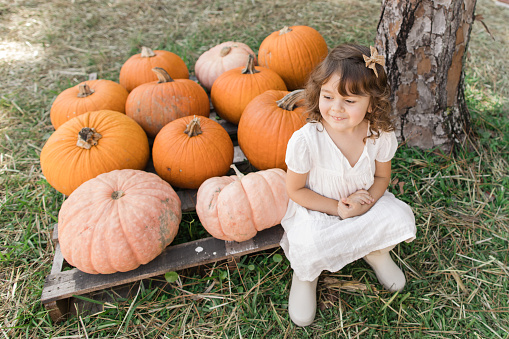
x: 401, y: 184
x: 345, y: 284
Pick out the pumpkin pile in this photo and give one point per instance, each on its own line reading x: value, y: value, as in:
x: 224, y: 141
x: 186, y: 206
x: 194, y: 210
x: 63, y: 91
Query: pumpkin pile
x: 99, y: 154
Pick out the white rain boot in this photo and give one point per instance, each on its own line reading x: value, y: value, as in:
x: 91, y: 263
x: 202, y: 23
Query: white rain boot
x: 387, y: 272
x: 302, y: 301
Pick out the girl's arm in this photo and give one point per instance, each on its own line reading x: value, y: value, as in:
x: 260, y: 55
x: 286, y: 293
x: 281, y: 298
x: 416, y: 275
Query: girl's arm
x: 382, y: 179
x: 349, y: 208
x: 298, y: 192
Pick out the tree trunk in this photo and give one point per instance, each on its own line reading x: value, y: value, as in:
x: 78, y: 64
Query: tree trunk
x: 425, y: 43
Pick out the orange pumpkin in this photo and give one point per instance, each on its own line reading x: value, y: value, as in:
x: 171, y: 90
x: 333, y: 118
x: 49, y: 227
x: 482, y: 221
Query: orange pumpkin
x: 118, y: 221
x: 235, y: 208
x: 219, y: 59
x: 88, y: 96
x: 267, y: 124
x: 154, y: 104
x: 293, y: 52
x: 91, y: 144
x: 234, y: 89
x: 137, y: 69
x: 189, y: 150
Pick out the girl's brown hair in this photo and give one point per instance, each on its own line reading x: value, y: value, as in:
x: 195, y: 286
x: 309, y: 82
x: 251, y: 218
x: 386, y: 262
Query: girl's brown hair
x: 355, y: 78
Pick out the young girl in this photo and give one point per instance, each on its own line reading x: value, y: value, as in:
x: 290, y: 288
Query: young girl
x: 339, y: 168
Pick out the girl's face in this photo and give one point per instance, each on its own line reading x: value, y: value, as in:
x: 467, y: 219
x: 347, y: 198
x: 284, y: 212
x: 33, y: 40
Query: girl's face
x: 342, y: 114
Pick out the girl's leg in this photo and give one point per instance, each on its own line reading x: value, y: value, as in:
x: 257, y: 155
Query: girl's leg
x: 387, y: 272
x: 302, y: 301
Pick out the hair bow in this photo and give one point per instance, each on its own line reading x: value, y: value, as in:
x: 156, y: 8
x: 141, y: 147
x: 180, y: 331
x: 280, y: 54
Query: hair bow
x: 374, y: 59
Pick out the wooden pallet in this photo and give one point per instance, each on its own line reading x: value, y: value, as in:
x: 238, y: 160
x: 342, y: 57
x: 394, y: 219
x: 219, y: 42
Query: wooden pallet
x: 63, y: 283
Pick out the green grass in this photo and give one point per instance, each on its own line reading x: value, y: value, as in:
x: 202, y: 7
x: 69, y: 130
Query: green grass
x: 456, y: 269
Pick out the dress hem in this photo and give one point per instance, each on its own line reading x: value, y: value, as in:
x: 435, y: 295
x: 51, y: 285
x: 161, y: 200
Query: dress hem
x: 316, y: 273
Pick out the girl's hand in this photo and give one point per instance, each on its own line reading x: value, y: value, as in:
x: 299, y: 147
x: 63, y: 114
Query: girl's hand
x: 352, y: 206
x: 361, y: 196
x: 348, y: 208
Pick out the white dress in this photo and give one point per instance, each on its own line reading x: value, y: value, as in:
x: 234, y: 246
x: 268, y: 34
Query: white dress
x: 314, y: 241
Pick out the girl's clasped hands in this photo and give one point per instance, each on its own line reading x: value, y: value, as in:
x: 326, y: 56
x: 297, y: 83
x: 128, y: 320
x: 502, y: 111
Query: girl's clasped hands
x: 352, y: 205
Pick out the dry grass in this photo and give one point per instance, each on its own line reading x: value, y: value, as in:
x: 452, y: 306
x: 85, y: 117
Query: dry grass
x: 457, y: 268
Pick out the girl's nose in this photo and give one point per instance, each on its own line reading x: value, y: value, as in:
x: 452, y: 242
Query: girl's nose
x: 337, y: 107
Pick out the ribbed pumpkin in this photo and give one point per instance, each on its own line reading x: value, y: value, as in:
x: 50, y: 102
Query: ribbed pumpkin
x: 88, y: 96
x: 137, y: 69
x: 154, y: 104
x: 219, y: 59
x: 267, y: 124
x: 189, y: 150
x: 118, y: 221
x: 235, y: 208
x: 234, y: 89
x: 293, y: 52
x: 91, y: 144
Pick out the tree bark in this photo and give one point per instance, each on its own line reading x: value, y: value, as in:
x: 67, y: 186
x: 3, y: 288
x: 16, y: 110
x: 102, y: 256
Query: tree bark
x: 425, y: 43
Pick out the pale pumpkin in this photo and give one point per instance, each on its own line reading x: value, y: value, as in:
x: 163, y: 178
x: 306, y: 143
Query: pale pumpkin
x: 137, y: 69
x: 91, y: 144
x: 88, y: 96
x: 219, y: 59
x: 267, y: 124
x: 189, y: 150
x: 235, y: 208
x: 234, y: 89
x: 293, y: 52
x: 155, y: 104
x: 118, y: 221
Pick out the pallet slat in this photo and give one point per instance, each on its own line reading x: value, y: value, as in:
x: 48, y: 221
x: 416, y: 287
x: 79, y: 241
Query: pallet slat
x: 65, y: 284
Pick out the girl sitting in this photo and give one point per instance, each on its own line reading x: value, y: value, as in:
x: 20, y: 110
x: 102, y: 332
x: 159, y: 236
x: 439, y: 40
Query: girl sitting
x: 339, y: 168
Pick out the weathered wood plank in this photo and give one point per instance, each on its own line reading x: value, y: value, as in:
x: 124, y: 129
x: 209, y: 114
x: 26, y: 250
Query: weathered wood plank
x: 228, y: 126
x: 187, y: 200
x: 238, y: 155
x: 65, y: 284
x: 54, y: 234
x: 58, y: 260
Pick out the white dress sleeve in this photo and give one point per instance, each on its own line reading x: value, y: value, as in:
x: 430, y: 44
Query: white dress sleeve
x: 297, y: 154
x: 388, y: 146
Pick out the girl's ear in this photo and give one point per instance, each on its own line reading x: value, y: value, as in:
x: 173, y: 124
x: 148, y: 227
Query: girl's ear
x: 370, y: 107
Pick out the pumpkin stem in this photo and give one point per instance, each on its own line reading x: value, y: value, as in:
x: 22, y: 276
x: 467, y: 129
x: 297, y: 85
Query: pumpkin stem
x: 162, y: 75
x: 147, y: 52
x: 285, y: 30
x: 117, y: 195
x: 225, y: 50
x: 250, y: 66
x: 84, y: 90
x: 288, y: 101
x: 88, y: 137
x: 237, y: 172
x: 193, y: 128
